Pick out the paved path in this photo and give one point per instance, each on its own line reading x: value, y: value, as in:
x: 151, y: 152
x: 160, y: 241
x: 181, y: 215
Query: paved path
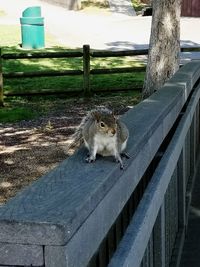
x: 123, y: 7
x: 101, y: 29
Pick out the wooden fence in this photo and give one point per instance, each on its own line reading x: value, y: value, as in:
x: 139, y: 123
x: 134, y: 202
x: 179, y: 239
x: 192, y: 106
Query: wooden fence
x: 86, y: 54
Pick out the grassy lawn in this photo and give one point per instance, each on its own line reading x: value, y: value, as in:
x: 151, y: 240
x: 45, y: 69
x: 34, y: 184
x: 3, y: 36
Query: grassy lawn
x: 10, y: 34
x: 10, y: 38
x: 18, y: 108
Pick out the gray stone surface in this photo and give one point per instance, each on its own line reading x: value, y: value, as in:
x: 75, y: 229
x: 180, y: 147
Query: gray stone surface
x: 74, y: 205
x: 23, y: 255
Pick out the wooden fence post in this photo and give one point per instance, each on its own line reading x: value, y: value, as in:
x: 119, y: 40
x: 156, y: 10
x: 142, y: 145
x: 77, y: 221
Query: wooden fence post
x: 86, y: 70
x: 1, y: 79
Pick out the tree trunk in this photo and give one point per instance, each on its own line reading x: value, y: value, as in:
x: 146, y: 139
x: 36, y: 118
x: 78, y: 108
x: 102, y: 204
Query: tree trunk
x: 164, y: 47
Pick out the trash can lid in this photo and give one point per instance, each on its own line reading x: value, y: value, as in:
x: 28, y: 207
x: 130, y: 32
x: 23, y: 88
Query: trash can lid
x: 34, y: 11
x: 32, y: 21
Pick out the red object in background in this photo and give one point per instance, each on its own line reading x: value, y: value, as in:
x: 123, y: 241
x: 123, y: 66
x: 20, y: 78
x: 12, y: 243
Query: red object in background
x: 190, y: 8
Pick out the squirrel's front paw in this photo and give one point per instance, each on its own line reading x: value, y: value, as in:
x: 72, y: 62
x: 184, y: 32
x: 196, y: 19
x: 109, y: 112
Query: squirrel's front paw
x: 119, y: 160
x: 121, y: 166
x: 90, y: 159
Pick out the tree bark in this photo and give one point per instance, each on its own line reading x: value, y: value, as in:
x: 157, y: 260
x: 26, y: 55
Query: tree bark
x: 164, y: 47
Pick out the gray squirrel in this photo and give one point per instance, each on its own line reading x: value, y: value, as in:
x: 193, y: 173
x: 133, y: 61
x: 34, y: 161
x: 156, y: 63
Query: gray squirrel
x: 102, y: 133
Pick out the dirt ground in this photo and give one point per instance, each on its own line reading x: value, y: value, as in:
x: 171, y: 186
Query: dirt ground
x: 29, y: 149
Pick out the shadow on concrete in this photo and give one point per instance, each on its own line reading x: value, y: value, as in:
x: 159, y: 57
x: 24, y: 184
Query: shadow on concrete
x: 125, y: 45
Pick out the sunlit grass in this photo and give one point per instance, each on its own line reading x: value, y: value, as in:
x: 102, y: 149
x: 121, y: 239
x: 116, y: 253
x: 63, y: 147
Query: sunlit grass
x: 89, y: 3
x: 67, y: 63
x: 2, y: 13
x: 10, y: 36
x: 138, y: 6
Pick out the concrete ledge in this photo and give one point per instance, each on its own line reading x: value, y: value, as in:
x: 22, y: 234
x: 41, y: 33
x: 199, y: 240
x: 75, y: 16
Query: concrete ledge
x: 60, y: 209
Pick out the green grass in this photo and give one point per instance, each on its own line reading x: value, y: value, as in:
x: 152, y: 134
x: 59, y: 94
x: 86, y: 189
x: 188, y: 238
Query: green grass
x: 25, y: 108
x: 9, y: 35
x: 22, y: 108
x: 138, y: 6
x: 86, y: 3
x: 32, y: 107
x: 70, y: 82
x: 14, y: 114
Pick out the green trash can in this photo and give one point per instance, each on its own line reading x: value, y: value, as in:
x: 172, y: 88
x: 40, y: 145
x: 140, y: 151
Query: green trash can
x: 32, y: 28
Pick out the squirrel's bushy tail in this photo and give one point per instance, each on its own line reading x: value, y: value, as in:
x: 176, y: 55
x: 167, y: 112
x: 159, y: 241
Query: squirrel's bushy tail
x: 77, y: 137
x: 77, y: 140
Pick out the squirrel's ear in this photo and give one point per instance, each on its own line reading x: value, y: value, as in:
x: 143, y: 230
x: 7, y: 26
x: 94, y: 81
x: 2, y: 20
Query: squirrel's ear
x: 116, y: 117
x: 113, y: 113
x: 96, y: 115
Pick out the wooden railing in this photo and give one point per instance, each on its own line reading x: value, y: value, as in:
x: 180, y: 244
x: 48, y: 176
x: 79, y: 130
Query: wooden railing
x: 97, y: 215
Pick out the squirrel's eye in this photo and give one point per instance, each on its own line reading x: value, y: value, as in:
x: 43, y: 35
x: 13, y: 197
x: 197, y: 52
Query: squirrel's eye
x: 102, y: 124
